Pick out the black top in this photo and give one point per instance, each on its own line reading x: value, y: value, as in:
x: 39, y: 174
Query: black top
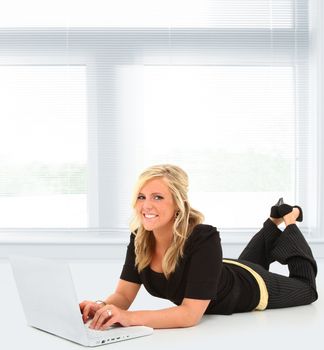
x: 200, y: 274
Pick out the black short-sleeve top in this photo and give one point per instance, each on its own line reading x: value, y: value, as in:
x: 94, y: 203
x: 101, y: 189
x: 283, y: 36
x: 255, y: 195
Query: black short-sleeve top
x: 200, y: 274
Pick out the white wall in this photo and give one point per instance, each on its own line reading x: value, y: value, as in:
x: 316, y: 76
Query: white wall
x: 113, y: 248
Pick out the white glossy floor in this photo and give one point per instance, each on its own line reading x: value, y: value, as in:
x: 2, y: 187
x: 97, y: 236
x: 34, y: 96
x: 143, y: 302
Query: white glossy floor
x: 293, y: 328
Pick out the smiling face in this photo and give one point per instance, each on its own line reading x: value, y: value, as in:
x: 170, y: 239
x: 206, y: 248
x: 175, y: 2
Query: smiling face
x: 156, y: 207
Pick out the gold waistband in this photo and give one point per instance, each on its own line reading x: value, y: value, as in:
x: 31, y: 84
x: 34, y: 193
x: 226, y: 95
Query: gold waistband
x: 264, y: 296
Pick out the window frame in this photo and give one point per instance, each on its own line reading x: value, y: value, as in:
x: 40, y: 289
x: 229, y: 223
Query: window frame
x: 90, y: 53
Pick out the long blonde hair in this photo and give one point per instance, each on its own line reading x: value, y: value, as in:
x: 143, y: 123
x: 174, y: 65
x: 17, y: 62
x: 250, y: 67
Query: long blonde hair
x: 185, y: 220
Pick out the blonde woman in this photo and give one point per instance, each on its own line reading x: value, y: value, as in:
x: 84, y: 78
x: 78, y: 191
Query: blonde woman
x: 178, y: 258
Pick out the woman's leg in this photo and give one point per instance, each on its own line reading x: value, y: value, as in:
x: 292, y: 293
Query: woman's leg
x: 259, y: 249
x: 286, y: 291
x: 291, y: 249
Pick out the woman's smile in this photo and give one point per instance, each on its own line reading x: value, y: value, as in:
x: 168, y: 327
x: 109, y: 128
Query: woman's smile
x: 156, y: 206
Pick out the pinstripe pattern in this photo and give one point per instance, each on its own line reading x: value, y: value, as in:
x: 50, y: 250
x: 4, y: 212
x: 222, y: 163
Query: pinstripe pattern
x: 288, y: 248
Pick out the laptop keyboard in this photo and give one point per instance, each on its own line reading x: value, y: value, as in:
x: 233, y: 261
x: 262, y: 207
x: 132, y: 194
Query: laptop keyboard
x: 111, y: 335
x: 94, y: 334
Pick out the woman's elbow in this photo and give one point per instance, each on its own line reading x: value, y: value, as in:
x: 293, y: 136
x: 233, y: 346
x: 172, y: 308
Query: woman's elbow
x: 190, y: 321
x: 192, y: 311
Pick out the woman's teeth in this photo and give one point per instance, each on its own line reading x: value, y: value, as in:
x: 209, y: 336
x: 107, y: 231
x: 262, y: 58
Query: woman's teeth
x: 150, y: 216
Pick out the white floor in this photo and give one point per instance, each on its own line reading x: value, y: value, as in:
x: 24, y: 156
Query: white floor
x: 293, y: 328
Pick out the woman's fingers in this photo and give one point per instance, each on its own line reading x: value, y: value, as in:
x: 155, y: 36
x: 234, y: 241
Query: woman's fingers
x: 109, y: 315
x: 84, y: 308
x: 86, y: 313
x: 109, y: 322
x: 88, y: 309
x: 102, y: 316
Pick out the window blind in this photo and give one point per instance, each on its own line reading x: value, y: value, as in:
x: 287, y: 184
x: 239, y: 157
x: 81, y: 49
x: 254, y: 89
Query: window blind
x: 217, y: 87
x: 150, y: 14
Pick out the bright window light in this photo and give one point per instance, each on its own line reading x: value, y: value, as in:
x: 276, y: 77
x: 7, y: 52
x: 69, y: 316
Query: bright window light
x: 43, y: 146
x: 231, y: 127
x: 148, y: 13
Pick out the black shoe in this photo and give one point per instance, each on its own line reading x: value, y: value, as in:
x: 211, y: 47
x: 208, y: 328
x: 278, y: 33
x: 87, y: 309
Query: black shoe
x: 285, y: 209
x: 274, y: 213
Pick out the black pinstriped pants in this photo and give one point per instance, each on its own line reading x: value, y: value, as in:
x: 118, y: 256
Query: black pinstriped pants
x: 287, y: 247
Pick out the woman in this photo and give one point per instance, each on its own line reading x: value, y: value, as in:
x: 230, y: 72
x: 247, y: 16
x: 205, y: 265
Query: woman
x: 178, y: 258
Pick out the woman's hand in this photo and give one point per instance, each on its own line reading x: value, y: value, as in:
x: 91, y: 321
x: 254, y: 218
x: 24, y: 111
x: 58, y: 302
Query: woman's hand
x: 88, y: 309
x: 108, y: 315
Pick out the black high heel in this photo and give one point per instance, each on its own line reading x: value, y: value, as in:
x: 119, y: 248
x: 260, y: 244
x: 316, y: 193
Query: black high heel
x: 285, y: 209
x: 274, y: 212
x: 280, y: 209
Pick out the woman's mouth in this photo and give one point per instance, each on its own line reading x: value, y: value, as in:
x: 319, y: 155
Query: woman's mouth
x: 150, y: 216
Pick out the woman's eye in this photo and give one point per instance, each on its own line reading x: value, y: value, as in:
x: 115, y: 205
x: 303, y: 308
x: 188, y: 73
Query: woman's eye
x: 158, y: 198
x: 140, y: 197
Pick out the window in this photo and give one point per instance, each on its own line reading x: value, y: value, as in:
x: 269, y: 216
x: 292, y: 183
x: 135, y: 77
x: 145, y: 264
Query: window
x: 232, y: 128
x: 149, y: 14
x: 43, y: 142
x: 221, y: 88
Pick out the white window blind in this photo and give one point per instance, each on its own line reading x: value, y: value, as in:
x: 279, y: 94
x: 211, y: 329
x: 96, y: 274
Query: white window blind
x: 232, y: 128
x: 220, y: 88
x: 43, y: 146
x: 149, y: 14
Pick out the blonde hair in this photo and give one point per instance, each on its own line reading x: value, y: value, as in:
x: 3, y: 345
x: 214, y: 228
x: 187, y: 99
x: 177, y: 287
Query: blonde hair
x: 185, y: 220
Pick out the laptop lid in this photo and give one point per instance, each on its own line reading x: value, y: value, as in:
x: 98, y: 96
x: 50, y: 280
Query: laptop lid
x: 49, y: 301
x: 48, y: 297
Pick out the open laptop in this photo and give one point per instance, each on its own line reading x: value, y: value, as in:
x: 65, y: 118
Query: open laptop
x: 49, y: 301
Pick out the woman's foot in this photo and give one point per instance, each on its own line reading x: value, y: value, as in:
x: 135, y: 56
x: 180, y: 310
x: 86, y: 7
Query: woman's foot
x: 282, y: 212
x: 280, y: 209
x: 275, y: 217
x: 291, y: 217
x: 274, y: 212
x: 285, y: 209
x: 277, y: 221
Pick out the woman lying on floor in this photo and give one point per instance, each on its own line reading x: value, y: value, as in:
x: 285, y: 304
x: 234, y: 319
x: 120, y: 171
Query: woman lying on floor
x: 178, y: 258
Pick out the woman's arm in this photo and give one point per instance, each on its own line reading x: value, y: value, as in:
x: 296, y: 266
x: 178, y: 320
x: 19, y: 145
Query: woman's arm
x: 187, y: 314
x: 124, y: 294
x: 122, y: 298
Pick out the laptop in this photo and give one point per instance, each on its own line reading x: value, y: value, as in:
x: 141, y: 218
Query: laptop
x: 49, y: 301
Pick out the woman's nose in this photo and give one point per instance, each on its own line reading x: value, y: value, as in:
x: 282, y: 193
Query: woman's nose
x: 147, y: 204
